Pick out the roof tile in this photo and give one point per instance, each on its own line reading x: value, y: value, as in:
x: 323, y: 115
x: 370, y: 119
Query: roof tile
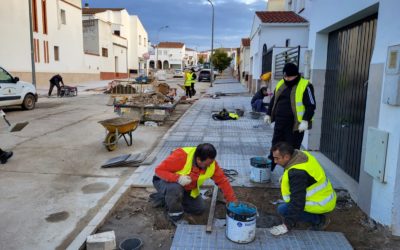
x: 280, y: 17
x: 173, y: 45
x: 91, y: 11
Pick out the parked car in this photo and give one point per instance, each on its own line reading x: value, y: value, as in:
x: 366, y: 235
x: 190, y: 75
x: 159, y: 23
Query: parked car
x: 15, y: 92
x: 205, y: 74
x: 178, y: 73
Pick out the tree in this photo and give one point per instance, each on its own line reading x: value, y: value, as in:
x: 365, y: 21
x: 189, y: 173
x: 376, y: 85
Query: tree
x: 221, y: 60
x: 201, y: 60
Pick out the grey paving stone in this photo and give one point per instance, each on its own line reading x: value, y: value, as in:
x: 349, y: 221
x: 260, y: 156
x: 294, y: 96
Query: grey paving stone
x: 194, y: 237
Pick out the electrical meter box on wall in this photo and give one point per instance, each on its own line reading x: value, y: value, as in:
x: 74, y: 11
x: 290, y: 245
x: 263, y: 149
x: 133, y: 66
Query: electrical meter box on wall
x: 391, y: 91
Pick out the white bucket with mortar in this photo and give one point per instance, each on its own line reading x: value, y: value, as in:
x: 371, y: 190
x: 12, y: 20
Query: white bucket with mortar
x: 260, y: 169
x: 241, y: 222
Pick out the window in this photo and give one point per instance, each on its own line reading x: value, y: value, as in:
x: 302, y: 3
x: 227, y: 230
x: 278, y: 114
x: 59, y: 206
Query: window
x: 104, y: 52
x: 5, y: 77
x: 140, y: 40
x: 56, y: 53
x: 63, y: 17
x: 165, y: 52
x: 34, y: 16
x: 144, y: 41
x: 117, y: 32
x: 44, y: 16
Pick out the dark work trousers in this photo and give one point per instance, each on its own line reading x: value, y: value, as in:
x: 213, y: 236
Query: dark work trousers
x: 193, y: 90
x: 259, y: 106
x: 283, y: 132
x: 57, y: 84
x: 177, y: 199
x: 188, y: 91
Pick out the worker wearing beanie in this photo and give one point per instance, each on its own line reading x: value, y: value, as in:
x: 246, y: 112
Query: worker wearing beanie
x: 291, y: 108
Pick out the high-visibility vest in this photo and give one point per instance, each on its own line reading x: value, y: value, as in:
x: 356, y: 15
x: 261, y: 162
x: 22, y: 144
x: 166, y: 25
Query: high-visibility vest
x: 187, y: 169
x: 320, y: 197
x: 234, y: 116
x: 301, y: 86
x: 189, y: 81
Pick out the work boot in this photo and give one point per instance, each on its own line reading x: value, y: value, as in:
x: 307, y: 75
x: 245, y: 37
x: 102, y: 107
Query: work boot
x: 322, y: 225
x: 4, y: 156
x: 157, y: 200
x: 177, y: 219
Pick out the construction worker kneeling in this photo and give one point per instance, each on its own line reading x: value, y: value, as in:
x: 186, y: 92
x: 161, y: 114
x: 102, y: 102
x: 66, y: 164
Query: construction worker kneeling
x: 307, y: 192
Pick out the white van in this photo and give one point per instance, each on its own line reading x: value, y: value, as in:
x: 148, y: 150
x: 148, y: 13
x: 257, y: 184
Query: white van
x: 15, y: 92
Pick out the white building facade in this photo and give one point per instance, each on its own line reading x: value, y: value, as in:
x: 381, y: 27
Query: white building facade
x: 190, y: 58
x: 169, y: 55
x: 274, y: 32
x: 57, y: 40
x: 244, y: 64
x: 125, y: 36
x: 372, y: 93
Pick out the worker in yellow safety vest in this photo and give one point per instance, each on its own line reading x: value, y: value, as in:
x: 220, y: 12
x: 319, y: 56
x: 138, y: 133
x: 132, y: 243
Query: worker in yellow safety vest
x: 188, y: 83
x: 307, y: 192
x: 291, y: 108
x: 179, y: 177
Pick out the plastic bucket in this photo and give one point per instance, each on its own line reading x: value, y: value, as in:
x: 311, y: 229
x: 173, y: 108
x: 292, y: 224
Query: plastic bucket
x: 239, y: 112
x: 260, y: 170
x: 131, y: 244
x: 241, y: 222
x: 255, y: 115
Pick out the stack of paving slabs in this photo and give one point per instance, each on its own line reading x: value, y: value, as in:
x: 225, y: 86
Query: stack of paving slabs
x: 128, y: 160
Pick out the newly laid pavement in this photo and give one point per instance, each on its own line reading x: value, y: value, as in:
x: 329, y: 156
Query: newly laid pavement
x: 236, y: 142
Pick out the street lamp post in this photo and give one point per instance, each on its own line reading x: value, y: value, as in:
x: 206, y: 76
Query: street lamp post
x: 212, y: 45
x: 158, y: 42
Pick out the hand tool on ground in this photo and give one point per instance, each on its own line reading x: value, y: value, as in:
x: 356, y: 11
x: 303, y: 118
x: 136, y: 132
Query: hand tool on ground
x: 16, y: 127
x: 212, y: 210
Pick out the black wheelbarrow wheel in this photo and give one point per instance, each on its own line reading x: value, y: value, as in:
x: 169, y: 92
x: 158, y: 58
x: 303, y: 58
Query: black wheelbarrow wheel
x: 111, y: 141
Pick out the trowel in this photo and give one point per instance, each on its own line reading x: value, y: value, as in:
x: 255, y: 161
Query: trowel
x: 16, y: 127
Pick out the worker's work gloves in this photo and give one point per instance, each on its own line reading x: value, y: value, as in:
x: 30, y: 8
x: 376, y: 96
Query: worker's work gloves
x: 184, y: 180
x: 303, y: 126
x: 2, y: 113
x: 267, y: 119
x: 278, y: 230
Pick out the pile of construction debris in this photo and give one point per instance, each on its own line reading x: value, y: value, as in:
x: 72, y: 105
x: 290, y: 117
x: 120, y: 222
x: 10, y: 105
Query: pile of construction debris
x: 155, y: 98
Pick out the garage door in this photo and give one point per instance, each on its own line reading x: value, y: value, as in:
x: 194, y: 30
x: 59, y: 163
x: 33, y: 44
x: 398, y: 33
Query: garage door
x: 346, y: 82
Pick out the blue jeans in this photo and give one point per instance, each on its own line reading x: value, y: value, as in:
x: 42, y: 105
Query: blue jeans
x: 314, y: 219
x: 259, y: 106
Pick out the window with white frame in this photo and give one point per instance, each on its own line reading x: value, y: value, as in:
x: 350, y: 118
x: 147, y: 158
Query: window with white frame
x: 140, y: 40
x: 63, y: 17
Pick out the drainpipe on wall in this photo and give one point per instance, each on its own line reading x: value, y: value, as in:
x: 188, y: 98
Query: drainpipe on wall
x: 31, y: 40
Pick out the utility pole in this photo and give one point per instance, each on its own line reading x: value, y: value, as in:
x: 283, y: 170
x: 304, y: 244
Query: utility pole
x: 31, y: 41
x: 212, y: 45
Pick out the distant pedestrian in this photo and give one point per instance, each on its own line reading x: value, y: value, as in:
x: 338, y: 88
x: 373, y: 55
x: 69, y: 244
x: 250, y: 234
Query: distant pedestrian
x: 188, y: 83
x: 55, y: 81
x: 194, y: 76
x: 291, y: 108
x: 257, y: 102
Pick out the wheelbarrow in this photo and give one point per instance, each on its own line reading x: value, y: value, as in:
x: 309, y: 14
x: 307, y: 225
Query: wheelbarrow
x: 117, y: 128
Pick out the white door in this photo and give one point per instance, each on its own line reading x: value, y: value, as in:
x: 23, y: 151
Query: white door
x: 10, y: 92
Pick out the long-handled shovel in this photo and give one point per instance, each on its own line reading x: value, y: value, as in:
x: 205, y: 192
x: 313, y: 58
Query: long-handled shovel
x: 16, y: 127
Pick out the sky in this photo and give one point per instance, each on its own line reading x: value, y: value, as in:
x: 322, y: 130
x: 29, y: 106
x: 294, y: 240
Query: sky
x: 189, y: 21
